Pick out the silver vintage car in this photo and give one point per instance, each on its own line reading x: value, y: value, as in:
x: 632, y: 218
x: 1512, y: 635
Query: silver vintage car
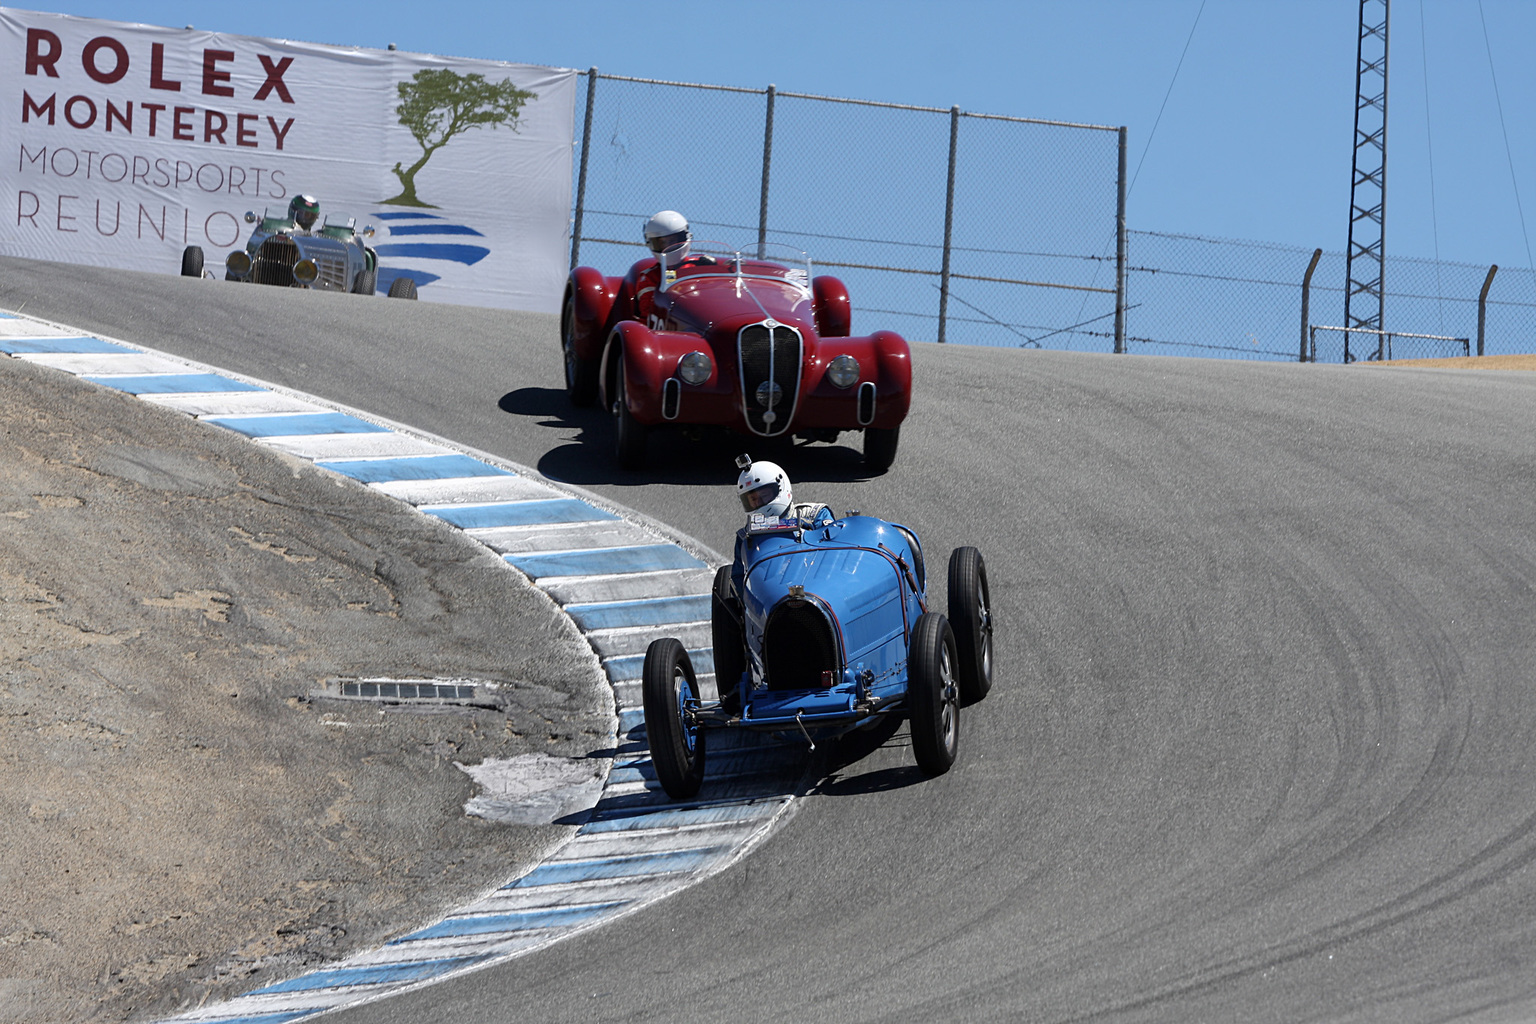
x: 331, y: 257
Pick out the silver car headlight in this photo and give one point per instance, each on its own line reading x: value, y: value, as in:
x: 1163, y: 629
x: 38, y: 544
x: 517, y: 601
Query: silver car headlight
x: 238, y: 263
x: 695, y: 367
x: 305, y: 271
x: 843, y: 371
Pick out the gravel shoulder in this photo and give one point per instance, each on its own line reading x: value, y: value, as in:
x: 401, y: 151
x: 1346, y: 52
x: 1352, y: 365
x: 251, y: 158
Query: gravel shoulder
x: 1513, y: 361
x: 183, y: 819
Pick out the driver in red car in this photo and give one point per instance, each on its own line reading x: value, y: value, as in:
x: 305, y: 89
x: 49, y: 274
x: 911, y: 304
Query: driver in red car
x: 666, y: 232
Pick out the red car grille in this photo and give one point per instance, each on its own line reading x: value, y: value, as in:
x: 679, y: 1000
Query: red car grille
x: 770, y: 359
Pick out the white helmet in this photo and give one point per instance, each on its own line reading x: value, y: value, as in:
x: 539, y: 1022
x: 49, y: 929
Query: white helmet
x: 763, y: 487
x: 667, y: 232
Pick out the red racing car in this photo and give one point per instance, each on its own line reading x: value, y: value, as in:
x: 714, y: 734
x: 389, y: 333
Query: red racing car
x: 704, y: 335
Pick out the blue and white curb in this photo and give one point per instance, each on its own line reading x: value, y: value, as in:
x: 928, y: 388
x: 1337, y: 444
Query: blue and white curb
x: 622, y: 580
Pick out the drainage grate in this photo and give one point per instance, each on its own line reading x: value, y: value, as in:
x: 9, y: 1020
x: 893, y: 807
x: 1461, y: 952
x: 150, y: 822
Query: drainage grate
x: 477, y: 692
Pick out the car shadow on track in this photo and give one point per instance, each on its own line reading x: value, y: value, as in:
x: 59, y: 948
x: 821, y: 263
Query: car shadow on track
x: 840, y: 771
x: 672, y: 457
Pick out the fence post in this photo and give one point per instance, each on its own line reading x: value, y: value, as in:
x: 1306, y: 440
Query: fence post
x: 762, y: 209
x: 1306, y: 302
x: 949, y: 220
x: 1482, y: 306
x: 1120, y: 250
x: 581, y: 181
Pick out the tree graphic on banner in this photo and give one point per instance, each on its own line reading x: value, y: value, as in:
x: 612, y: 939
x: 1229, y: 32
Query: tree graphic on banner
x: 437, y: 104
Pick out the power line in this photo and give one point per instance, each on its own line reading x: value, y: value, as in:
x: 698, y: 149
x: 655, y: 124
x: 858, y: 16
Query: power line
x: 1434, y: 217
x: 1158, y: 120
x: 1502, y: 127
x: 1143, y: 158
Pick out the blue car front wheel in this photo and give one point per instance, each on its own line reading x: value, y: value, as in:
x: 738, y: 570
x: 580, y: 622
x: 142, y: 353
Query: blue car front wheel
x: 671, y: 697
x: 933, y: 694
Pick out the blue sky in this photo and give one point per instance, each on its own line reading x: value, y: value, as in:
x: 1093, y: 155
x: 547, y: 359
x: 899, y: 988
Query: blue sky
x: 1254, y: 142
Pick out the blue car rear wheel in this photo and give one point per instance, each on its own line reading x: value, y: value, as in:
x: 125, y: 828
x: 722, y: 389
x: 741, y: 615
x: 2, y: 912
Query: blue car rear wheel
x: 970, y: 615
x: 671, y: 697
x: 730, y: 646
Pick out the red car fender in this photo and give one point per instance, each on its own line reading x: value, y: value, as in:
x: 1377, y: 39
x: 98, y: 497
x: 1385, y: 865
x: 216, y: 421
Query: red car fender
x: 647, y: 359
x: 893, y: 386
x: 834, y: 312
x: 588, y: 301
x: 828, y: 349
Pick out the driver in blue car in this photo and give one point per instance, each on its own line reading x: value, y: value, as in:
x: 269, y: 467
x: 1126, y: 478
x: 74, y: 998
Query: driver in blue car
x: 769, y: 500
x: 765, y: 491
x: 768, y: 497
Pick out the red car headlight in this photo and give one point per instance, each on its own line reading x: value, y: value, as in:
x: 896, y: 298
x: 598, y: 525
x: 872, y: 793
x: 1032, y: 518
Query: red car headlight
x: 695, y: 368
x: 843, y: 371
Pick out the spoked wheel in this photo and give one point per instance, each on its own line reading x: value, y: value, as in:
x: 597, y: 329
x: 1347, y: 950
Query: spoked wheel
x: 729, y: 643
x: 580, y: 374
x: 629, y: 433
x: 970, y: 614
x: 933, y: 694
x: 671, y: 696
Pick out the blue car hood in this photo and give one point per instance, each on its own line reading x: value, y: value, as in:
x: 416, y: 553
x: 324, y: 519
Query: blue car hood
x: 849, y: 568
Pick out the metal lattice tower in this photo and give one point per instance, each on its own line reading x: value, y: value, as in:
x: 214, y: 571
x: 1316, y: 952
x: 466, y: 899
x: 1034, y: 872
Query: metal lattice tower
x: 1368, y: 180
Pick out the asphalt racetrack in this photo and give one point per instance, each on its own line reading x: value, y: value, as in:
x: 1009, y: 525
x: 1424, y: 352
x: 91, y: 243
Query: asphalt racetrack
x: 1260, y: 743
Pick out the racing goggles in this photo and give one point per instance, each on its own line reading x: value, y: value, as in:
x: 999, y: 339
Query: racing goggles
x: 759, y: 496
x: 661, y: 243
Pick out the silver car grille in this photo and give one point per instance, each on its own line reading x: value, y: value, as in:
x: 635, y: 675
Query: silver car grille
x: 770, y: 355
x: 333, y: 273
x: 274, y: 262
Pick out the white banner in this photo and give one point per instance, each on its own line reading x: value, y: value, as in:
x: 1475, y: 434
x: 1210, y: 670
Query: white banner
x: 127, y: 143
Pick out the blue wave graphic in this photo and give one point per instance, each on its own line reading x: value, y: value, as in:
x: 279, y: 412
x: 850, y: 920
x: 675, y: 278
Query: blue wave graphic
x: 465, y: 254
x: 434, y: 229
x: 424, y: 226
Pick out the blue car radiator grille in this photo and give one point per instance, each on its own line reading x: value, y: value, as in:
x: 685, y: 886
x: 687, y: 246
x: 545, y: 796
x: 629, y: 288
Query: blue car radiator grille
x: 770, y: 357
x: 274, y: 262
x: 799, y: 649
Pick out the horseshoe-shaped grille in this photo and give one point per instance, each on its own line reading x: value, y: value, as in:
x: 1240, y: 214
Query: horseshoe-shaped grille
x: 799, y: 648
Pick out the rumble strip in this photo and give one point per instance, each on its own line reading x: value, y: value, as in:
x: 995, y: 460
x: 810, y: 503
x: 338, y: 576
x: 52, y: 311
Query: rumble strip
x: 621, y: 582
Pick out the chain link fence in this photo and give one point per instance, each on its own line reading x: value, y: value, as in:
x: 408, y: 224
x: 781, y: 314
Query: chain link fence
x: 945, y: 225
x: 1189, y: 295
x: 979, y: 229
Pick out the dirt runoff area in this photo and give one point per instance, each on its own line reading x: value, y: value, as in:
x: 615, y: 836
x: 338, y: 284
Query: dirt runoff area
x: 1517, y: 361
x: 182, y: 819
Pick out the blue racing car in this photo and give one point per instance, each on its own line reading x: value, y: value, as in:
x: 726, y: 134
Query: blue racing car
x: 820, y: 626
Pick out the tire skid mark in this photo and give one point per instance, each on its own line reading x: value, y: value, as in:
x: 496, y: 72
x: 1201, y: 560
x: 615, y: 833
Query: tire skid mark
x: 618, y: 577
